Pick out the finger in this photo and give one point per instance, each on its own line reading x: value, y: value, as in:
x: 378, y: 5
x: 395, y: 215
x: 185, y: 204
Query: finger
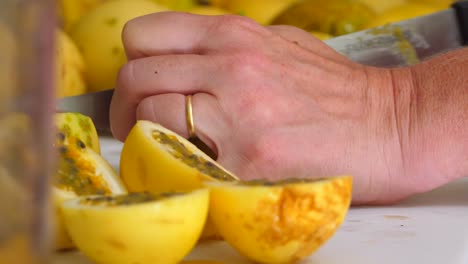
x: 169, y: 111
x: 138, y: 79
x: 306, y: 40
x: 182, y: 33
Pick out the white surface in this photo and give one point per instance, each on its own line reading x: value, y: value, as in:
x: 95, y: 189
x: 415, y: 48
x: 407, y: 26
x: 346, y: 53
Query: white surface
x: 429, y: 229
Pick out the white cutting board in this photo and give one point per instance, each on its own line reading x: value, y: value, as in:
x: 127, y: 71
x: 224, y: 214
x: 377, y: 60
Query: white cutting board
x: 431, y: 228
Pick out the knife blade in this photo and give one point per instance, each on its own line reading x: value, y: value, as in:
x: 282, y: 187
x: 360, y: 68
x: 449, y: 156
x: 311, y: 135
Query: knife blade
x: 96, y: 105
x: 409, y: 41
x: 396, y: 44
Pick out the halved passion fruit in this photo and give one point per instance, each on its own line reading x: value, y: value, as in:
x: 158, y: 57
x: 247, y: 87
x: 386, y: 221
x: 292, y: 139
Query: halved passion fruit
x: 76, y: 125
x: 79, y: 171
x: 138, y: 227
x: 279, y: 222
x: 156, y: 159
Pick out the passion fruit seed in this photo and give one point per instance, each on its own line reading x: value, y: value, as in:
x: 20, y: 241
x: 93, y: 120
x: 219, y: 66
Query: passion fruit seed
x: 61, y: 136
x: 77, y: 174
x: 180, y: 151
x: 128, y: 199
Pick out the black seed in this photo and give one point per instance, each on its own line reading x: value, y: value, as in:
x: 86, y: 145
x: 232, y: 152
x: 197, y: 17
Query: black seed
x: 80, y: 144
x: 63, y: 150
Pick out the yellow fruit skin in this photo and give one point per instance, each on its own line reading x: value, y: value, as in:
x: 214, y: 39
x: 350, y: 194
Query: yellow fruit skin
x: 70, y: 67
x: 321, y: 35
x: 380, y: 6
x: 179, y: 5
x: 280, y: 224
x: 105, y: 171
x: 208, y: 11
x: 70, y: 11
x: 440, y: 4
x: 62, y: 239
x: 334, y: 17
x: 155, y: 232
x: 402, y: 12
x: 78, y: 126
x: 98, y: 36
x: 262, y: 11
x: 146, y: 167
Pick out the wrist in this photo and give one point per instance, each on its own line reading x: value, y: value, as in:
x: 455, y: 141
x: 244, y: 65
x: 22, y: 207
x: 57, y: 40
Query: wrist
x: 440, y: 127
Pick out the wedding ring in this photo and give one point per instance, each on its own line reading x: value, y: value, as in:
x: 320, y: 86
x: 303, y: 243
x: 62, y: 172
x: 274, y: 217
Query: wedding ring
x: 189, y: 116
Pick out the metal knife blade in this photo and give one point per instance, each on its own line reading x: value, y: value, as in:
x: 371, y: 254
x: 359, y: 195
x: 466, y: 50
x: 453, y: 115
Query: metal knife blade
x: 397, y: 44
x: 95, y: 105
x: 402, y: 43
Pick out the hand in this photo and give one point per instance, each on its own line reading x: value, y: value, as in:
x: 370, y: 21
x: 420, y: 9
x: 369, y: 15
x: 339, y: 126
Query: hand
x: 272, y: 102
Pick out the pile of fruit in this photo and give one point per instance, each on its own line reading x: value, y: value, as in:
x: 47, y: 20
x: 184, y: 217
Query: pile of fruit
x: 170, y: 196
x: 90, y: 50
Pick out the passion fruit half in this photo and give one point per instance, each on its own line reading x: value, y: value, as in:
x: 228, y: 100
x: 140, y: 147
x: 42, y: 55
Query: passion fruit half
x: 280, y: 222
x: 79, y: 126
x: 156, y: 159
x: 79, y: 169
x: 138, y: 227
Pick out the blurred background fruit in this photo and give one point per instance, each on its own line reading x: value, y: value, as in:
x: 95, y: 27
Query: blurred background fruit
x: 70, y: 68
x: 179, y: 5
x: 262, y: 11
x: 98, y: 36
x: 402, y: 12
x: 321, y: 35
x: 208, y: 10
x: 91, y: 58
x: 70, y: 11
x: 334, y: 17
x: 435, y: 3
x: 380, y: 6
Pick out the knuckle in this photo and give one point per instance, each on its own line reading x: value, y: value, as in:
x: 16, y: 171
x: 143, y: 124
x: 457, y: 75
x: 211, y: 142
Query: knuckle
x: 237, y: 25
x: 248, y: 64
x: 264, y: 152
x: 126, y: 78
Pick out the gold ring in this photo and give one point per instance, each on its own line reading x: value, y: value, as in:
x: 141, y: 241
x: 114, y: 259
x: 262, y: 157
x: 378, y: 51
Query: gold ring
x: 189, y: 116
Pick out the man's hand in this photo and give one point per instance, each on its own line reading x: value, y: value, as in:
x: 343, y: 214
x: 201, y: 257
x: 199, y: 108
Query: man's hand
x: 272, y: 102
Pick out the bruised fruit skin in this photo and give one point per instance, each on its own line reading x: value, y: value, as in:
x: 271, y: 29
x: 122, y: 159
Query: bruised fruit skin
x: 156, y: 159
x: 137, y: 228
x: 279, y: 223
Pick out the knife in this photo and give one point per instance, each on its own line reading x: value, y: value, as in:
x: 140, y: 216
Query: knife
x: 396, y: 44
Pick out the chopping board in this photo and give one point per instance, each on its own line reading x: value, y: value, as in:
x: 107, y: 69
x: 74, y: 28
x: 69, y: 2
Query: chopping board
x: 429, y: 228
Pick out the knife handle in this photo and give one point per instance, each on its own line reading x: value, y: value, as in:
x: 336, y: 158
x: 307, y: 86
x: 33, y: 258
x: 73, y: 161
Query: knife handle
x: 461, y: 10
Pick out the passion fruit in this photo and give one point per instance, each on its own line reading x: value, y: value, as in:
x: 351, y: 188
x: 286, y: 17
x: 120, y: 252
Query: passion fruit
x: 334, y: 17
x: 279, y: 222
x: 138, y: 227
x: 77, y: 126
x: 156, y: 159
x: 80, y: 170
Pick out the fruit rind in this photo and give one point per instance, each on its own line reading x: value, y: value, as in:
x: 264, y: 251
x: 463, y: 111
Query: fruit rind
x: 148, y: 165
x: 279, y: 223
x: 138, y: 233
